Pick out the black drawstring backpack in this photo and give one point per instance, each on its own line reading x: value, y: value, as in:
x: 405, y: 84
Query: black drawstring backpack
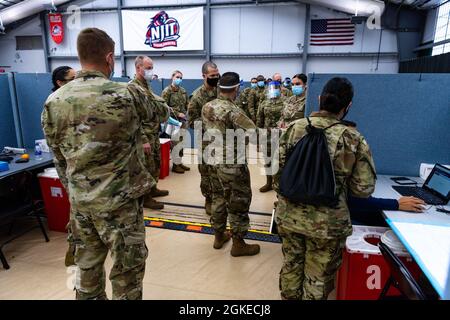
x: 308, y: 176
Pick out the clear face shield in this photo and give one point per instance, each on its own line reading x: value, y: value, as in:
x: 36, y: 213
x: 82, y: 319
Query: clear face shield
x: 273, y: 90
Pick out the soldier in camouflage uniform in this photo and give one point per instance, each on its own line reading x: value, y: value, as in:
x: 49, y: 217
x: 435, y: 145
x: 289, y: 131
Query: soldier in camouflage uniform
x: 93, y: 127
x: 313, y: 237
x: 285, y: 92
x: 177, y: 99
x: 242, y: 99
x: 232, y: 193
x: 294, y: 108
x: 288, y: 85
x: 269, y: 113
x: 256, y: 97
x: 205, y: 93
x: 150, y: 127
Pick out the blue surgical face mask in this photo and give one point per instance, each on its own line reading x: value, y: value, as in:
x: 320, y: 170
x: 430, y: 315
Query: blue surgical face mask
x: 177, y: 82
x: 297, y: 90
x: 253, y: 85
x: 261, y: 84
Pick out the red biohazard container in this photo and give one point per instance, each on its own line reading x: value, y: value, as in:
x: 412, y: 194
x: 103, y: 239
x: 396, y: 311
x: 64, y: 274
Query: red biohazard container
x: 165, y: 158
x: 364, y: 271
x: 56, y: 201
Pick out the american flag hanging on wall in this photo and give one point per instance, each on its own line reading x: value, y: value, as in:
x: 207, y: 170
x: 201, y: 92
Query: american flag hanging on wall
x: 332, y: 32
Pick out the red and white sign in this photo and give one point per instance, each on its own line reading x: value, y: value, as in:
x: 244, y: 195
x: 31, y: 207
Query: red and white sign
x: 56, y: 27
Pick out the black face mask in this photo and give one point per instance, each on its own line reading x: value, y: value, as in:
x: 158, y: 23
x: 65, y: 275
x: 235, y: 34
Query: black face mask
x: 212, y: 81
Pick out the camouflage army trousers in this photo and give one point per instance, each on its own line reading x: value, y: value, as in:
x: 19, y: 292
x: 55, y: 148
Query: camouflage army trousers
x: 153, y: 163
x: 309, y: 265
x: 231, y: 198
x: 123, y: 233
x: 205, y: 180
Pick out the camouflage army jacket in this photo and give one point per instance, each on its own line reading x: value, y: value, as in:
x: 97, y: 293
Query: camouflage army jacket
x: 269, y: 113
x: 242, y: 100
x: 199, y: 98
x: 222, y: 114
x: 159, y: 111
x: 93, y: 127
x: 254, y: 100
x: 294, y: 109
x: 354, y: 172
x: 176, y: 98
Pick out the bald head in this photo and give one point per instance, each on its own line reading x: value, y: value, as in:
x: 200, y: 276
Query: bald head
x: 143, y: 63
x: 277, y: 77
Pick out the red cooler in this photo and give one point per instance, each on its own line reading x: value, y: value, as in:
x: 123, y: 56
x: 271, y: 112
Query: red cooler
x: 364, y: 272
x: 165, y: 158
x: 56, y: 201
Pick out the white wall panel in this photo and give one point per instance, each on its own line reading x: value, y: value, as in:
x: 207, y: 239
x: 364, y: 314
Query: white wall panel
x: 106, y: 21
x: 160, y: 2
x: 225, y: 30
x: 96, y: 4
x: 288, y: 29
x: 264, y: 29
x: 12, y: 60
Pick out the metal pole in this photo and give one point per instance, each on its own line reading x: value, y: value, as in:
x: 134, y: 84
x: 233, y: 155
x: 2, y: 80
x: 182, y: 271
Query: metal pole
x: 306, y: 38
x: 15, y: 110
x: 45, y: 42
x: 208, y: 30
x: 122, y: 57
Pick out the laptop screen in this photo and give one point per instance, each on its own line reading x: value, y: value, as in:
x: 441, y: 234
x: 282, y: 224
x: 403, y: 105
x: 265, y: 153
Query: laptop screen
x: 439, y: 181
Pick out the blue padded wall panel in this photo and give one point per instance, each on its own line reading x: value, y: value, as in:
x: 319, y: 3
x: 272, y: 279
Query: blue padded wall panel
x: 7, y: 131
x: 404, y: 117
x: 32, y: 91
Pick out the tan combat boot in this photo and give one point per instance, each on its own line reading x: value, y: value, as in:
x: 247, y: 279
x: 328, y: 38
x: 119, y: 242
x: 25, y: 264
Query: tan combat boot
x: 240, y: 248
x: 151, y: 203
x: 185, y: 168
x: 159, y: 193
x: 220, y: 238
x: 268, y: 186
x: 177, y: 168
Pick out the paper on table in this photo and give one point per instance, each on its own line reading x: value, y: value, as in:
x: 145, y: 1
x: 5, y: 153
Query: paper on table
x: 431, y: 245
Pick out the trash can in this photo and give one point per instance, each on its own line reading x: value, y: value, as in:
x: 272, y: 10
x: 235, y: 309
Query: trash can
x: 56, y: 201
x: 165, y: 158
x: 364, y: 271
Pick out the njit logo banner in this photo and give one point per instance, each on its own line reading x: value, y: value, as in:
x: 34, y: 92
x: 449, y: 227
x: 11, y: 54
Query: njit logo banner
x: 162, y: 31
x: 169, y: 30
x: 56, y: 27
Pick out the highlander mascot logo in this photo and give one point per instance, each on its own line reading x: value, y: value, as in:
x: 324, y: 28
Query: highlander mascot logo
x: 162, y: 31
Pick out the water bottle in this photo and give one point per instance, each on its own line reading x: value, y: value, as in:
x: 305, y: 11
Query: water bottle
x: 37, y: 151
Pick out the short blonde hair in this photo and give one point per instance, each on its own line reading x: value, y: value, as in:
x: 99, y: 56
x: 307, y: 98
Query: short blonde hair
x: 176, y: 72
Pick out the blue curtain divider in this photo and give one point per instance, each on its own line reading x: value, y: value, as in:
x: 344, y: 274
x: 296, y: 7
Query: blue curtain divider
x: 8, y: 135
x: 404, y: 117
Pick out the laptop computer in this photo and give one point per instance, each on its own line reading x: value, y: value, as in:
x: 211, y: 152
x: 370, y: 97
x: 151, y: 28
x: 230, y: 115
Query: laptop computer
x: 435, y: 190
